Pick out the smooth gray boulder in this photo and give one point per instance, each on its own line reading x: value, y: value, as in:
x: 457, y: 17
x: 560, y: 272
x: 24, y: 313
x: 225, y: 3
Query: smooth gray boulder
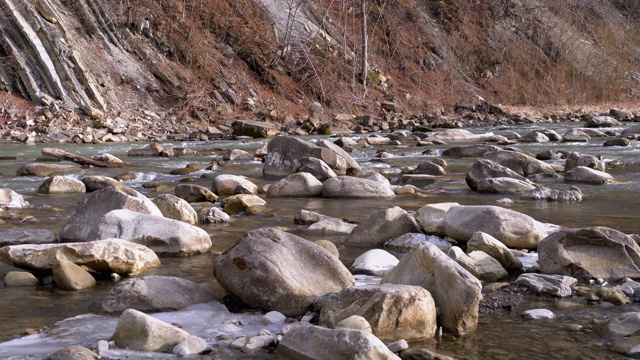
x: 173, y: 207
x: 472, y: 151
x: 10, y: 199
x: 587, y: 253
x: 306, y: 217
x: 285, y: 152
x: 624, y: 331
x: 504, y: 185
x: 493, y: 247
x: 353, y: 168
x: 213, y: 215
x: 353, y: 187
x: 522, y: 164
x: 236, y: 204
x: 61, y: 185
x: 84, y: 223
x: 534, y: 137
x: 228, y: 184
x: 631, y: 132
x: 547, y: 194
x: 487, y: 169
x: 479, y: 264
x: 69, y: 276
x: 601, y: 121
x: 431, y: 217
x: 255, y: 129
x: 556, y: 285
x: 155, y: 293
x: 585, y: 175
x: 301, y: 269
x: 394, y: 311
x: 45, y: 169
x: 139, y: 331
x: 429, y: 168
x: 320, y: 343
x: 17, y: 236
x: 103, y: 256
x: 331, y: 226
x: 19, y: 279
x: 575, y: 159
x: 512, y: 228
x: 301, y: 184
x: 456, y: 292
x: 374, y: 262
x: 382, y: 225
x: 456, y: 134
x: 317, y: 168
x: 154, y: 149
x: 160, y: 234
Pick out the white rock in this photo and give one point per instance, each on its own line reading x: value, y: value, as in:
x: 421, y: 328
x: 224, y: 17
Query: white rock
x: 538, y: 314
x: 190, y: 345
x: 398, y: 346
x: 273, y: 317
x: 374, y: 262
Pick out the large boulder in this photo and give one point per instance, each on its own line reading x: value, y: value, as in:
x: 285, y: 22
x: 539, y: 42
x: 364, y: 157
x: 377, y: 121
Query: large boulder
x: 429, y: 168
x: 585, y: 175
x: 95, y: 182
x: 275, y: 270
x: 299, y: 184
x: 601, y: 121
x: 510, y: 227
x: 317, y: 168
x: 472, y: 151
x: 624, y: 332
x: 374, y: 262
x: 456, y: 292
x: 522, y: 164
x: 228, y: 184
x: 69, y: 276
x: 486, y: 169
x: 479, y: 264
x: 491, y: 246
x: 597, y: 252
x: 154, y: 149
x: 11, y: 199
x: 504, y: 185
x: 547, y: 194
x: 105, y: 256
x: 155, y: 293
x: 139, y: 331
x: 46, y: 169
x: 160, y: 234
x: 394, y: 311
x: 285, y: 152
x: 631, y: 132
x: 237, y: 204
x: 83, y: 225
x: 431, y: 217
x: 575, y: 159
x: 320, y: 343
x: 383, y: 225
x: 61, y: 185
x: 17, y: 236
x: 175, y: 208
x: 254, y: 129
x: 353, y: 168
x: 194, y: 193
x: 354, y: 187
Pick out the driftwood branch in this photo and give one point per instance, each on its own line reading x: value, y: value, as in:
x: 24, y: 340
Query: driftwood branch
x: 64, y: 155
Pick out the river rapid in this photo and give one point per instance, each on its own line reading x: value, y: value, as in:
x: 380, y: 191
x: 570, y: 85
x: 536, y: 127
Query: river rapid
x: 500, y: 334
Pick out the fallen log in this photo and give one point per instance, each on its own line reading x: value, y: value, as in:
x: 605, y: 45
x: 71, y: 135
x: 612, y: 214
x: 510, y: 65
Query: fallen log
x: 64, y: 155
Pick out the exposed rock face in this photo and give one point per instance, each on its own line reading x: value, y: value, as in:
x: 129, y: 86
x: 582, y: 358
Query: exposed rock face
x: 160, y: 234
x: 61, y: 185
x: 284, y: 155
x: 11, y: 199
x: 84, y: 223
x: 106, y: 256
x: 483, y: 169
x: 267, y: 256
x: 455, y: 291
x: 394, y: 311
x: 353, y: 187
x: 315, y: 342
x: 597, y: 252
x: 383, y: 225
x: 155, y: 293
x: 510, y: 227
x: 139, y: 331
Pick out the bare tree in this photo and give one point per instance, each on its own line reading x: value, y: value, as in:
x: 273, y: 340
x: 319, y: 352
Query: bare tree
x: 365, y: 47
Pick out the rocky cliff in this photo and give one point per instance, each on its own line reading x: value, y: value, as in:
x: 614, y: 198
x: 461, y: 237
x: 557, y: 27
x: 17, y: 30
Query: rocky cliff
x: 282, y: 60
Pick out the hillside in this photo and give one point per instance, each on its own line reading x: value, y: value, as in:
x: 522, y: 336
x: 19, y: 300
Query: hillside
x: 206, y: 61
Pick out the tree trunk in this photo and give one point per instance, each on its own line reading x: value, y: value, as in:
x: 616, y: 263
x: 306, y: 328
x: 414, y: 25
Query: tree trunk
x: 365, y: 48
x: 61, y: 154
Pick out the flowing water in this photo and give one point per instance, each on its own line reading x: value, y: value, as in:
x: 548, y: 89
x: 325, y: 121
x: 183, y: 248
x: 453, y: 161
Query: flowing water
x: 500, y: 335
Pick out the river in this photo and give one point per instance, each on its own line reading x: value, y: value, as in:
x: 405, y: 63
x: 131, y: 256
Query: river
x: 499, y: 336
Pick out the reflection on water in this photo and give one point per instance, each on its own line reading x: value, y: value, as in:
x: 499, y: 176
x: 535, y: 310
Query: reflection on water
x: 500, y: 335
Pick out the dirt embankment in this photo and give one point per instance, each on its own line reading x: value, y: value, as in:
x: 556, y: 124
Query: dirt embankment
x: 123, y: 71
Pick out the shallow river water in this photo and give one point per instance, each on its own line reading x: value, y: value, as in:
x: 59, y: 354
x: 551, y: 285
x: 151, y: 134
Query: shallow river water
x: 502, y: 335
